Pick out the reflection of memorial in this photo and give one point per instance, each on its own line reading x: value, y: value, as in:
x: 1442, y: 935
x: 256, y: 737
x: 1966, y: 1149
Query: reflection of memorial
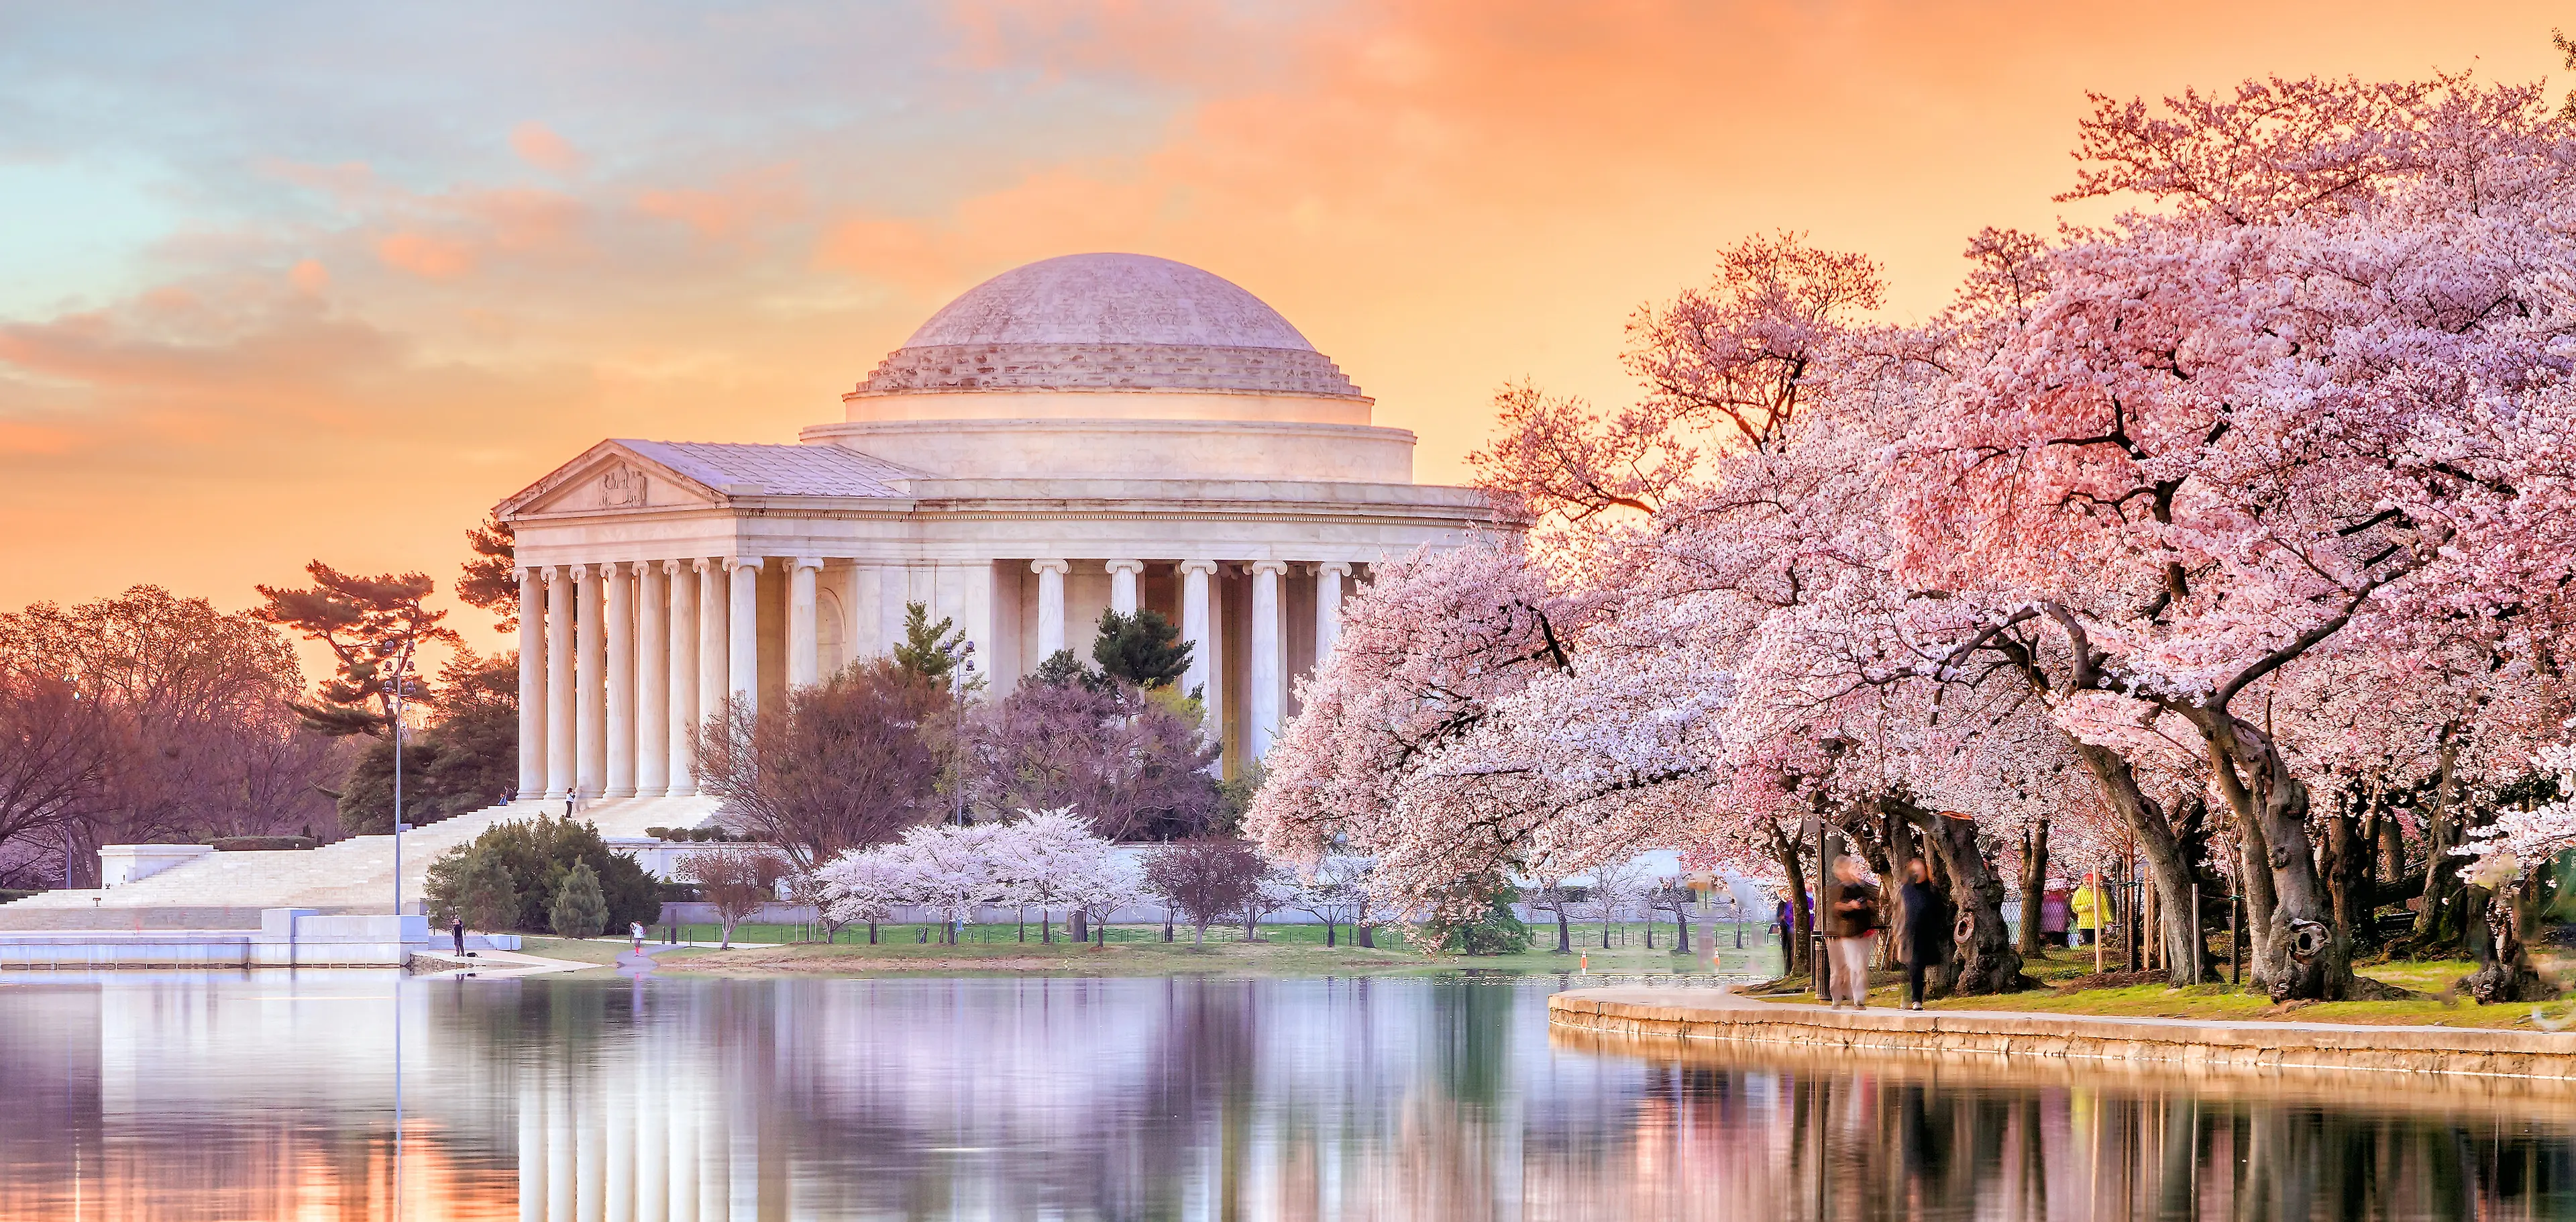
x: 271, y: 1096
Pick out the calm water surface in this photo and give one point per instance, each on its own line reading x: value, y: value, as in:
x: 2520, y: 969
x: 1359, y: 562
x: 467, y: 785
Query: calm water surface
x: 273, y: 1096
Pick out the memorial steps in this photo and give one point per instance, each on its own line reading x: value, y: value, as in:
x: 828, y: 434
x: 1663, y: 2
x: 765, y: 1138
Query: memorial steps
x: 228, y: 890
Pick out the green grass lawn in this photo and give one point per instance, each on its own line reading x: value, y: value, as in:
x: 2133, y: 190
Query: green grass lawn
x: 1282, y: 949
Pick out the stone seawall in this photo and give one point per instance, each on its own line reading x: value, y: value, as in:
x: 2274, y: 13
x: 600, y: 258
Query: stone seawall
x: 1668, y: 1016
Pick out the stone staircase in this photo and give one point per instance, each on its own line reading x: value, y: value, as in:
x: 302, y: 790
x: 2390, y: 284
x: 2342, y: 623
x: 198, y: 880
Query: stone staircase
x: 228, y: 890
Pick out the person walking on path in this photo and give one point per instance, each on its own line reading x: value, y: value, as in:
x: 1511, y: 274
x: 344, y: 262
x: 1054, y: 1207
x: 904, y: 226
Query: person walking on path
x: 2053, y: 914
x: 1924, y: 928
x: 2086, y: 906
x: 1854, y: 920
x: 635, y: 931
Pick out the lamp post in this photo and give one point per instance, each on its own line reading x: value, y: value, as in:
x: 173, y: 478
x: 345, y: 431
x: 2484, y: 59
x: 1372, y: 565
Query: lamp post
x: 397, y: 690
x: 963, y: 655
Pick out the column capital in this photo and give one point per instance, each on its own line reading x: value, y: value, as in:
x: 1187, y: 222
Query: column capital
x: 1339, y: 568
x: 1205, y: 568
x: 673, y: 568
x: 807, y: 562
x: 706, y: 564
x: 1132, y: 566
x: 580, y: 572
x: 1275, y: 567
x: 753, y: 563
x: 1057, y: 567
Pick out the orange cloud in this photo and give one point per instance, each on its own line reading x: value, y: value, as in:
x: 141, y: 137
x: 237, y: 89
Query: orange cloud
x: 424, y: 255
x: 539, y: 146
x: 310, y: 277
x: 727, y: 211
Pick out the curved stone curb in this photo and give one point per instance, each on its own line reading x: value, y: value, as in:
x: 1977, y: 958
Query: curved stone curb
x: 1699, y: 1015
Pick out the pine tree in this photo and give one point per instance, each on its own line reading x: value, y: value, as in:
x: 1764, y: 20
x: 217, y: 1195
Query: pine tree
x: 580, y: 910
x: 485, y: 898
x: 1143, y: 649
x: 491, y: 578
x: 929, y: 650
x: 372, y: 626
x: 1062, y: 669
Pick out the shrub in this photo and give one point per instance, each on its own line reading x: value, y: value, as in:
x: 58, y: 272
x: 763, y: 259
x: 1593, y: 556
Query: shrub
x: 1496, y: 930
x: 485, y: 897
x: 538, y: 853
x: 579, y: 910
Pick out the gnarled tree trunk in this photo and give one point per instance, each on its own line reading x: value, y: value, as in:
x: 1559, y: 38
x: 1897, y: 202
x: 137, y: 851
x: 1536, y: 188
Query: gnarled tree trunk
x: 2034, y: 886
x: 2156, y: 842
x: 1984, y: 959
x: 2301, y: 954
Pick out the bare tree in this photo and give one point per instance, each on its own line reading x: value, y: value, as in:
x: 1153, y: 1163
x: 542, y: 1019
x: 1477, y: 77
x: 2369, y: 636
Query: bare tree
x: 1117, y: 755
x: 736, y: 878
x: 838, y: 766
x: 58, y: 756
x: 1205, y: 878
x: 1551, y: 895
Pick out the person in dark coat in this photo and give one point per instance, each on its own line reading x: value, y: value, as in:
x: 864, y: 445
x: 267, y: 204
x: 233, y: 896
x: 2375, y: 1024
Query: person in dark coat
x: 1926, y: 925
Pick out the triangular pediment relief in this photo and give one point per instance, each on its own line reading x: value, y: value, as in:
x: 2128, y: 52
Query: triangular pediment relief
x: 610, y: 478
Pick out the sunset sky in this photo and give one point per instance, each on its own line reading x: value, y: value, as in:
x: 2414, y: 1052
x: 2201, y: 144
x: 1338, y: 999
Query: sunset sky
x: 284, y: 282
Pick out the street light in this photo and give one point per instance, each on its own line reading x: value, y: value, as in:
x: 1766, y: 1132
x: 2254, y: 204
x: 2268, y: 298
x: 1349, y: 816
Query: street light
x: 397, y: 688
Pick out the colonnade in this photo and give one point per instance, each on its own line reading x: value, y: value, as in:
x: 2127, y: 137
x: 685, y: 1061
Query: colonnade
x: 1268, y: 677
x: 609, y: 707
x: 621, y: 661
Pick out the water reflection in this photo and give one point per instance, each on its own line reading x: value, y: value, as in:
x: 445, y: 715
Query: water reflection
x: 271, y: 1096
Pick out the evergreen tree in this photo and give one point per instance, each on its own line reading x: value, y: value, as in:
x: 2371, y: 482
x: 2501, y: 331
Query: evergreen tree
x: 929, y: 650
x: 491, y: 578
x: 1143, y: 649
x: 1062, y: 669
x: 579, y: 910
x: 539, y: 854
x: 373, y: 626
x: 485, y: 898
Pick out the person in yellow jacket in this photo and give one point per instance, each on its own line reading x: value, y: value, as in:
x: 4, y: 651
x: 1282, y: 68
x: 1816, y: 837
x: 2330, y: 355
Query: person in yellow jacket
x: 2085, y: 906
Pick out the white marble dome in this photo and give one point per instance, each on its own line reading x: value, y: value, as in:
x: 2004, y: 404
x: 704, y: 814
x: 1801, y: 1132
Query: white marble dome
x: 1107, y: 322
x: 1109, y: 299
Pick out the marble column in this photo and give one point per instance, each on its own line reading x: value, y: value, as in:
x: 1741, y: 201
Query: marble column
x: 1204, y: 671
x: 715, y: 637
x: 533, y: 709
x: 1269, y: 658
x: 682, y: 577
x: 894, y: 590
x: 652, y: 681
x: 1050, y: 605
x: 561, y: 741
x: 804, y: 635
x: 591, y: 673
x: 743, y: 666
x: 1329, y: 577
x: 1122, y: 585
x: 621, y: 683
x: 652, y: 1133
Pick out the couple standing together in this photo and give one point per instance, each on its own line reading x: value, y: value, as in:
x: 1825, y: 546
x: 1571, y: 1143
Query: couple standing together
x: 1854, y: 921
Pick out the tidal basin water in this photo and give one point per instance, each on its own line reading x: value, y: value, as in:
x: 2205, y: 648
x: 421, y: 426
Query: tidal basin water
x: 274, y: 1096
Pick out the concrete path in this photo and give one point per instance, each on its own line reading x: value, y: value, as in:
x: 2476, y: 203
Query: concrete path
x: 1721, y: 1014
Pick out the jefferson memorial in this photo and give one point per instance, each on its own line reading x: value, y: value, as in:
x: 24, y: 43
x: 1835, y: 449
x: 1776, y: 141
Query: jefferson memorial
x: 1083, y: 433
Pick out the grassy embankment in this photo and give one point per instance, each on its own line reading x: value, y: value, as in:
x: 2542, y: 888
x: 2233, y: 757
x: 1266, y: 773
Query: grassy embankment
x: 2070, y: 987
x: 1139, y: 950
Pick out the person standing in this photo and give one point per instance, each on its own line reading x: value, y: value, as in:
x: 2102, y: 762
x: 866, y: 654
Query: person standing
x: 1924, y: 928
x: 2086, y: 907
x: 635, y: 931
x: 2053, y: 914
x: 459, y: 931
x: 1853, y: 922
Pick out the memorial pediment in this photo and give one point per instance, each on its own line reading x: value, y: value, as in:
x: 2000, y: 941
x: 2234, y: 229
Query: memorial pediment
x: 611, y: 478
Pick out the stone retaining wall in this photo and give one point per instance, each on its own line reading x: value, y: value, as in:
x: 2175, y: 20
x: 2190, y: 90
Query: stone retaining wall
x: 1660, y: 1015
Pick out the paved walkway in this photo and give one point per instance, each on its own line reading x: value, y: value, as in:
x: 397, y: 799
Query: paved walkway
x: 1721, y: 1014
